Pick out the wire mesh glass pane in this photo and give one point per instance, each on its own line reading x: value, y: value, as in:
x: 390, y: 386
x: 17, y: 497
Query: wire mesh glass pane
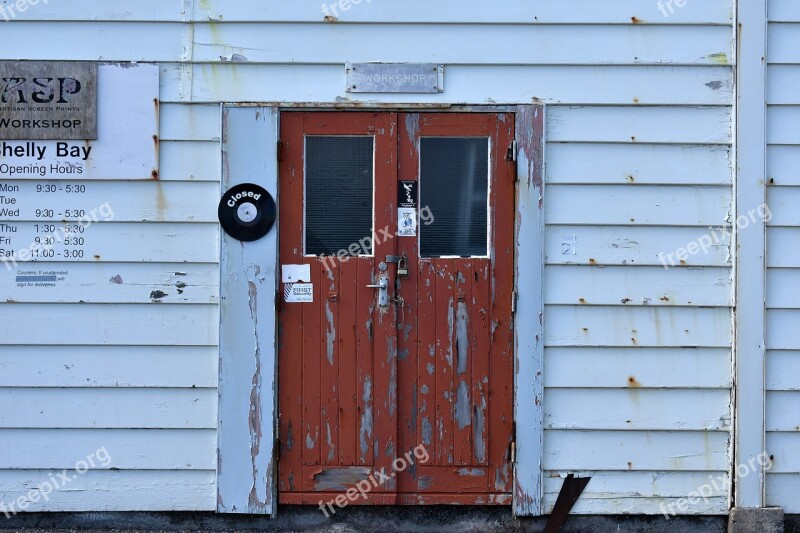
x: 454, y: 185
x: 338, y: 194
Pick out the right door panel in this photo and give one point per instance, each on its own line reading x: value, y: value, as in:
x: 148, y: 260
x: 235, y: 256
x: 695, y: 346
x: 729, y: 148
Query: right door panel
x: 455, y: 348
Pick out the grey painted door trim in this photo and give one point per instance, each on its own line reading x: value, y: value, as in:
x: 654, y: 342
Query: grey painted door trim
x: 247, y: 364
x: 529, y: 317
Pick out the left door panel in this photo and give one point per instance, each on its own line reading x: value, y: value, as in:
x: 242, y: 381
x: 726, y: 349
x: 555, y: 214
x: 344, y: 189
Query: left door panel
x: 337, y: 345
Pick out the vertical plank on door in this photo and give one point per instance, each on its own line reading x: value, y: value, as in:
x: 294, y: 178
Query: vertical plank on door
x: 463, y: 354
x: 347, y: 305
x: 479, y: 335
x: 428, y: 358
x: 329, y: 363
x: 501, y: 381
x: 290, y: 363
x: 445, y: 331
x: 385, y: 368
x: 313, y: 357
x: 410, y: 358
x: 365, y: 325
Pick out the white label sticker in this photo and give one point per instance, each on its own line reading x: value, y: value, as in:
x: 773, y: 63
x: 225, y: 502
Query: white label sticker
x: 247, y: 212
x: 406, y: 222
x: 569, y: 245
x: 298, y: 292
x: 295, y: 273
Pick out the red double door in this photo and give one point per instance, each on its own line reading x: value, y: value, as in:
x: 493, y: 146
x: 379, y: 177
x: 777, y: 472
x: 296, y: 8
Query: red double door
x: 407, y: 389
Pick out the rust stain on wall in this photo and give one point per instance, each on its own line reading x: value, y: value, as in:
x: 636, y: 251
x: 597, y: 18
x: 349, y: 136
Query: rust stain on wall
x: 633, y: 383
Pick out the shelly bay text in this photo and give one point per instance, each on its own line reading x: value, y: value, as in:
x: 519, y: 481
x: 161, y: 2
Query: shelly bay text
x: 32, y: 149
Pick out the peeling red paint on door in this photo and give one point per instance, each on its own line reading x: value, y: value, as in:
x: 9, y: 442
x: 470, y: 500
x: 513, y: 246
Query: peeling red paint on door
x: 361, y: 385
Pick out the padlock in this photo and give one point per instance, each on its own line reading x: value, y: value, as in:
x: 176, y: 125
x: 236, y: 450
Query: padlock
x: 402, y: 268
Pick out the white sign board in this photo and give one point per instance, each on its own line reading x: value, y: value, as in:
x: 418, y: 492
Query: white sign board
x: 48, y: 100
x: 393, y: 78
x: 127, y: 135
x: 295, y: 273
x: 406, y: 222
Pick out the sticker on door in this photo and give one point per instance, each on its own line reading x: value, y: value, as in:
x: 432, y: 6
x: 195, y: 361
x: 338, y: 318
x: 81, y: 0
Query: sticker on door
x: 298, y: 293
x: 407, y: 211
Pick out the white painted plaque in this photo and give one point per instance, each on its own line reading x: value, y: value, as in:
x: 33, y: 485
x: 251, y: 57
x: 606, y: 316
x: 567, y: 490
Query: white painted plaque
x: 413, y: 78
x: 127, y: 134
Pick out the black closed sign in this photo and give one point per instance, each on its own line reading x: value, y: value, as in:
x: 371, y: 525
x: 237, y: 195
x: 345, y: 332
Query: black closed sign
x: 247, y: 212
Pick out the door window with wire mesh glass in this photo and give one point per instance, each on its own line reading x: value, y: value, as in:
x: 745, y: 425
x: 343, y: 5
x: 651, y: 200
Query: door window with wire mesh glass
x: 454, y: 186
x: 339, y: 183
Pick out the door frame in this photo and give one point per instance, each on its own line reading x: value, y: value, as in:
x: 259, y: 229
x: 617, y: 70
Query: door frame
x: 247, y: 411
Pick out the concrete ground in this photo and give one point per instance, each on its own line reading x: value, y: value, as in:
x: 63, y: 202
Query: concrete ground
x: 445, y: 519
x: 435, y: 519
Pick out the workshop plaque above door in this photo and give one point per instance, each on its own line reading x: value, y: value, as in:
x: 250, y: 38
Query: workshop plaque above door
x: 48, y: 100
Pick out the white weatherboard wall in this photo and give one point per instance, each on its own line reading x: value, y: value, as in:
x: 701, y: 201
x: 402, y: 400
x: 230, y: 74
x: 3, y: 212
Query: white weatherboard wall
x: 638, y: 162
x: 637, y: 358
x: 783, y: 261
x: 123, y: 355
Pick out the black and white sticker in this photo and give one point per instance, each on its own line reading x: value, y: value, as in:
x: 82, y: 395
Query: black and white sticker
x: 407, y: 202
x: 247, y: 212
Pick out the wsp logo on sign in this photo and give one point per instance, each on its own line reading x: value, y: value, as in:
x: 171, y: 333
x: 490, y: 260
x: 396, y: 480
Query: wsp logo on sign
x: 48, y: 100
x: 38, y: 90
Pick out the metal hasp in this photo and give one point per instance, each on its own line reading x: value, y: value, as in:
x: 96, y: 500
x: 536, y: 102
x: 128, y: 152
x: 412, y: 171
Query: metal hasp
x: 402, y: 264
x: 571, y: 490
x: 383, y: 291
